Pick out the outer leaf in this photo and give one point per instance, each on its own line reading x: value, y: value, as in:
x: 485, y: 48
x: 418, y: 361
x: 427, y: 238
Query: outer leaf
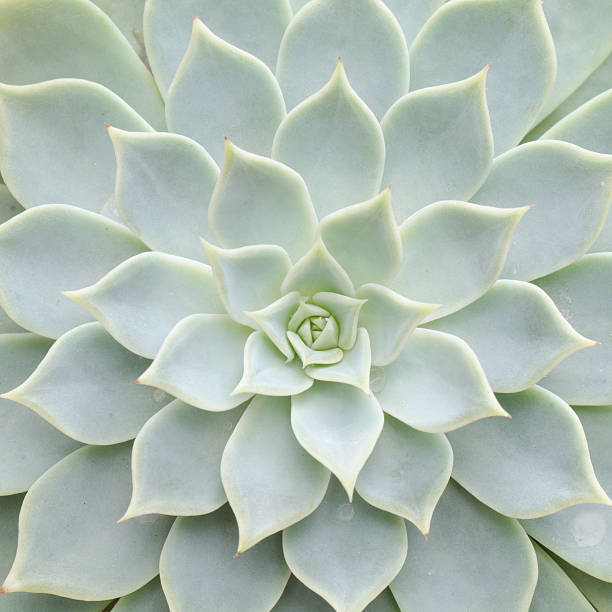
x: 531, y: 465
x: 63, y: 121
x: 439, y: 144
x: 77, y: 502
x: 200, y: 362
x: 338, y: 425
x: 346, y: 552
x: 412, y: 14
x: 260, y: 201
x: 270, y: 480
x: 436, y: 384
x: 474, y: 559
x: 150, y: 598
x: 84, y: 246
x: 335, y: 142
x: 517, y: 334
x: 199, y: 572
x: 127, y: 16
x: 211, y: 64
x: 407, y: 472
x: 453, y: 252
x: 164, y: 182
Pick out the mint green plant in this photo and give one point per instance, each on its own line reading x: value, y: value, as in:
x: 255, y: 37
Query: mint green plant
x: 358, y: 297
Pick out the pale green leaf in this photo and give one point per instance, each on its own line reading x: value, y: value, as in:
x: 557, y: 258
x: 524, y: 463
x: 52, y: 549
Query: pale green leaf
x: 7, y: 325
x: 10, y: 505
x: 9, y: 206
x: 127, y: 16
x: 346, y: 312
x: 150, y: 598
x: 304, y: 311
x: 309, y: 356
x: 297, y: 598
x: 412, y: 14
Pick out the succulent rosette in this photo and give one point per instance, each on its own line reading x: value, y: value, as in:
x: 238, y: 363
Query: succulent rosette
x: 296, y: 332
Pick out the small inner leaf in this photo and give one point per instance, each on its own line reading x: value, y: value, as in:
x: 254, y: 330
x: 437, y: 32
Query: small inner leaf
x: 309, y: 356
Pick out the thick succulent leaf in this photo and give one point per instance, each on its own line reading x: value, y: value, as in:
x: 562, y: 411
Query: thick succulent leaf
x: 453, y: 252
x: 412, y: 14
x: 127, y: 16
x: 84, y: 387
x: 9, y: 206
x: 309, y: 356
x: 463, y: 36
x: 365, y: 240
x: 517, y: 333
x: 142, y: 299
x: 579, y: 291
x: 474, y: 559
x: 436, y: 384
x: 199, y: 572
x: 70, y: 543
x: 162, y: 189
x: 30, y: 445
x: 50, y: 39
x: 346, y: 552
x: 338, y: 425
x: 261, y: 201
x: 64, y: 122
x: 248, y: 278
x: 439, y: 144
x: 570, y: 189
x: 407, y: 472
x: 364, y: 33
x: 531, y: 465
x: 256, y: 27
x: 150, y: 598
x: 335, y: 142
x: 271, y: 482
x: 211, y: 64
x: 345, y: 311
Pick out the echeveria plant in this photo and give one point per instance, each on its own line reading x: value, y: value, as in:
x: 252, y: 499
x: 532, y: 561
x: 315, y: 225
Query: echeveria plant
x: 357, y: 298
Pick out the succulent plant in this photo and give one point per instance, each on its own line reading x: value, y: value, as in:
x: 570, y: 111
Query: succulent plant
x: 365, y: 302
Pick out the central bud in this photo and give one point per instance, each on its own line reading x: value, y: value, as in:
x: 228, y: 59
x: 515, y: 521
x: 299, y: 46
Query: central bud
x: 316, y: 326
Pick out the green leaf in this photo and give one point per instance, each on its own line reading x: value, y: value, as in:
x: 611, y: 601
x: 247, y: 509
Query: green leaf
x: 338, y: 425
x: 270, y: 480
x: 63, y: 121
x: 309, y: 356
x: 517, y: 333
x: 143, y: 298
x: 176, y: 459
x: 570, y: 189
x: 150, y: 598
x: 531, y: 465
x: 436, y: 384
x: 7, y: 325
x: 463, y: 36
x: 211, y: 64
x: 9, y: 206
x: 84, y: 387
x: 453, y: 253
x: 127, y: 16
x: 297, y: 598
x: 474, y: 559
x: 439, y: 144
x: 69, y: 541
x: 346, y: 552
x: 261, y: 201
x: 10, y: 505
x: 412, y: 14
x: 346, y: 312
x: 199, y: 572
x: 407, y: 472
x: 163, y: 185
x: 335, y: 142
x: 200, y: 362
x: 50, y: 39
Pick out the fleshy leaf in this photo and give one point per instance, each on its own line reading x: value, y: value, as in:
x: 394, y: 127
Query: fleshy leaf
x: 84, y: 387
x: 407, y: 472
x: 260, y: 201
x: 164, y: 182
x: 517, y: 333
x: 248, y: 278
x: 211, y: 64
x: 365, y: 240
x: 70, y: 543
x: 336, y: 144
x: 199, y: 572
x: 439, y: 144
x: 150, y: 598
x: 436, y: 384
x: 412, y: 14
x: 270, y: 480
x: 142, y: 299
x: 474, y: 559
x: 338, y: 425
x: 309, y: 356
x: 346, y: 312
x: 570, y: 189
x: 463, y: 36
x: 128, y: 18
x: 531, y: 465
x: 346, y: 552
x: 176, y: 459
x: 598, y: 592
x: 64, y: 122
x: 453, y: 253
x: 200, y: 362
